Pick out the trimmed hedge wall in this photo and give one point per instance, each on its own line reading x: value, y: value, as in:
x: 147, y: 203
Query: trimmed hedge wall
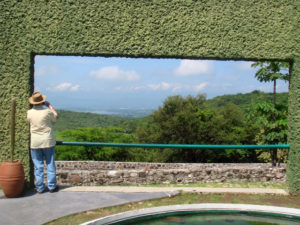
x: 203, y: 29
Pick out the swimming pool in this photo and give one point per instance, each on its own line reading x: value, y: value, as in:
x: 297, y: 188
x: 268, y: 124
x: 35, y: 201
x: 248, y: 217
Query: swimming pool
x: 212, y: 214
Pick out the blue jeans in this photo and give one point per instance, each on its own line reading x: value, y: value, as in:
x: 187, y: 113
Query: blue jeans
x: 38, y: 156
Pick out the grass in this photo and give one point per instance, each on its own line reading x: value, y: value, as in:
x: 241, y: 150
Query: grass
x: 182, y: 198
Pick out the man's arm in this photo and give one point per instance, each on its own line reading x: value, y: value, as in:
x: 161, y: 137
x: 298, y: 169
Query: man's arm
x: 51, y: 108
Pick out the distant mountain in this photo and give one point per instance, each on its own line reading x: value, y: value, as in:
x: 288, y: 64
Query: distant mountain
x: 122, y: 112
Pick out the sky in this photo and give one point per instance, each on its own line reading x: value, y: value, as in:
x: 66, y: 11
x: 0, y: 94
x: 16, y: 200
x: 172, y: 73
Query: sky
x: 99, y: 83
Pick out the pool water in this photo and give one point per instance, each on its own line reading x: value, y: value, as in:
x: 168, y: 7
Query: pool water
x: 212, y: 220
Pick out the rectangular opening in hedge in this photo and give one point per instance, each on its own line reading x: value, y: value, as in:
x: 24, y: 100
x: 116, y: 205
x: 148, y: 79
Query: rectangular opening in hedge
x: 135, y: 87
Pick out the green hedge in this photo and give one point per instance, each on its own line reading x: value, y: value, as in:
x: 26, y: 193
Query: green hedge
x: 203, y: 29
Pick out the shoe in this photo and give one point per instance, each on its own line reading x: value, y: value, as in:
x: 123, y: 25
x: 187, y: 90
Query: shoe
x: 54, y: 190
x: 41, y: 192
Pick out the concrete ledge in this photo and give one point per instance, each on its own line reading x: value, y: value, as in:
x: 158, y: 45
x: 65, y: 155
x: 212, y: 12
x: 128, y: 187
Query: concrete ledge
x: 136, y: 189
x: 241, y: 208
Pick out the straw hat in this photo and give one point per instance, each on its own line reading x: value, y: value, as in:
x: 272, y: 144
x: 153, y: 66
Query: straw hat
x: 37, y: 98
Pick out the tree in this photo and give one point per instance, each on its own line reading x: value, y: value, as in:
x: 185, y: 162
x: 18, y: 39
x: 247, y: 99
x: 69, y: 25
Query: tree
x: 188, y: 121
x: 94, y: 134
x: 271, y: 131
x: 270, y: 71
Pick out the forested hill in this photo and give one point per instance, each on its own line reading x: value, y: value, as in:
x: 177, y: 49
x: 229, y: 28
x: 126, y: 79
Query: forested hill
x: 72, y: 120
x: 245, y: 100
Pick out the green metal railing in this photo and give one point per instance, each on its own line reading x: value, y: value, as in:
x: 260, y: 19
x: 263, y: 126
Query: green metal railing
x: 185, y: 146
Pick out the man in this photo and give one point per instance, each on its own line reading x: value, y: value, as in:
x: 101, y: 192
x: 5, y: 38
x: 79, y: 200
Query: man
x: 42, y: 143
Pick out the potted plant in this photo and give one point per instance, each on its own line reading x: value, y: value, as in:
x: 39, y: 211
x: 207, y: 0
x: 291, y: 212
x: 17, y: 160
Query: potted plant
x: 12, y: 172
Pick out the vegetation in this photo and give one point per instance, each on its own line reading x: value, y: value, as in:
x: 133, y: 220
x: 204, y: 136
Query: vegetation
x: 180, y: 120
x: 71, y: 120
x: 216, y: 29
x: 97, y: 134
x: 94, y: 153
x: 244, y: 101
x: 188, y: 121
x: 271, y: 72
x: 272, y: 124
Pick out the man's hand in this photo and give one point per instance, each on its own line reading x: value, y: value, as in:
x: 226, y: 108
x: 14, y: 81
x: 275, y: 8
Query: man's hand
x: 47, y: 103
x: 51, y: 108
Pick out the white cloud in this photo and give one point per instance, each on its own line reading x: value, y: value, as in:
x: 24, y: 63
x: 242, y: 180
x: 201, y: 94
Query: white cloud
x: 130, y: 88
x: 64, y: 87
x: 176, y: 87
x: 194, y: 68
x: 164, y: 86
x: 154, y: 86
x: 137, y: 88
x: 113, y: 73
x: 75, y: 87
x: 47, y: 70
x: 244, y: 66
x: 200, y: 87
x: 161, y: 86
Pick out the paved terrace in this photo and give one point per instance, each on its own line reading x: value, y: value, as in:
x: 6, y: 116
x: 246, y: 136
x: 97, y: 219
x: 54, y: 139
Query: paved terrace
x: 34, y: 209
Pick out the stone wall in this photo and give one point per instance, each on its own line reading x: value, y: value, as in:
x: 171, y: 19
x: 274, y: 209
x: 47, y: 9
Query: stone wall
x: 91, y: 173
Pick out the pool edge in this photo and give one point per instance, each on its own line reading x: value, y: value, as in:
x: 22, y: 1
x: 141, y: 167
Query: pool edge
x: 205, y: 207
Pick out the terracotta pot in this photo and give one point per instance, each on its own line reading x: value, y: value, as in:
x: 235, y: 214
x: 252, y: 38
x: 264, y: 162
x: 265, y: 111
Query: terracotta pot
x: 12, y: 178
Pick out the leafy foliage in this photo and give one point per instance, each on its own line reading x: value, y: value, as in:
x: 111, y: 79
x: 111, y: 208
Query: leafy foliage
x: 271, y: 70
x: 271, y: 131
x: 272, y: 123
x: 94, y: 153
x: 188, y: 121
x: 96, y: 134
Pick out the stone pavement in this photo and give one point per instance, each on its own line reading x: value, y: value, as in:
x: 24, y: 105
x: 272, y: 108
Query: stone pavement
x: 34, y: 209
